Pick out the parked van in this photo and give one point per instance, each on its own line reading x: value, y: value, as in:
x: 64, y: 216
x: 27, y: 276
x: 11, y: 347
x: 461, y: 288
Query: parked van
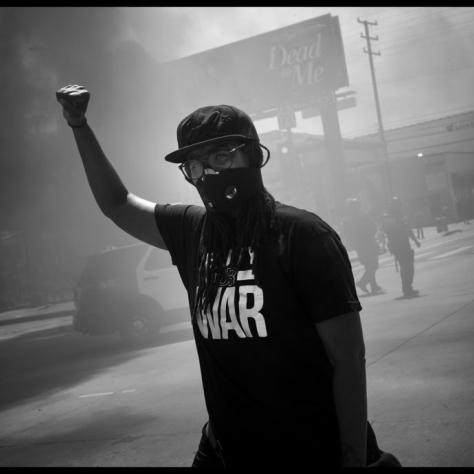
x: 132, y: 290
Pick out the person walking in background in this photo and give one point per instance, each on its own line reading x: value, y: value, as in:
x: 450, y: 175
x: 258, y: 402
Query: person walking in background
x: 418, y: 224
x: 273, y: 304
x: 399, y: 234
x: 464, y: 209
x: 381, y: 238
x: 360, y: 231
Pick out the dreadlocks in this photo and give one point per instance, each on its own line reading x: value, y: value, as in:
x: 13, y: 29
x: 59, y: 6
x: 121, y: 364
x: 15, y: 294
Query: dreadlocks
x: 223, y: 237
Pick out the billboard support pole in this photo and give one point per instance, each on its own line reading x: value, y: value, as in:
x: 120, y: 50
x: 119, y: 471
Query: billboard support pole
x: 335, y: 154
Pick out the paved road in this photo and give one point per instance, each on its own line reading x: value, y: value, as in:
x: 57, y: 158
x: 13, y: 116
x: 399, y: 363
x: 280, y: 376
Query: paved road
x: 73, y: 400
x: 419, y: 356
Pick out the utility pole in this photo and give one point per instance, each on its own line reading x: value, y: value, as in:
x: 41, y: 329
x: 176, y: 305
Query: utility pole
x: 377, y: 103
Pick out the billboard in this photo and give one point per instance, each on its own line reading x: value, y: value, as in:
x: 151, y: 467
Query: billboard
x: 292, y: 66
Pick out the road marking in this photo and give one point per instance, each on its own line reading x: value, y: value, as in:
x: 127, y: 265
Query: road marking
x: 418, y: 254
x: 425, y: 247
x: 27, y: 327
x: 453, y: 252
x: 424, y: 253
x: 102, y: 394
x: 175, y: 327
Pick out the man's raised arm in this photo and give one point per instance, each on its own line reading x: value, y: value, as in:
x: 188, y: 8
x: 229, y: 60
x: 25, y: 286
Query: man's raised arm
x: 131, y: 213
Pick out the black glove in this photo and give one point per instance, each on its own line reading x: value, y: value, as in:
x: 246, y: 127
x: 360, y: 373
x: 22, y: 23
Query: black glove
x: 74, y: 100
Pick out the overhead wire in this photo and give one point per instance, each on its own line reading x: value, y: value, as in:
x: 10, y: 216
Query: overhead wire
x: 462, y: 30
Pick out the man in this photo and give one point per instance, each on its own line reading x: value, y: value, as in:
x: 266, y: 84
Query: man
x: 360, y: 230
x: 399, y: 234
x: 274, y: 309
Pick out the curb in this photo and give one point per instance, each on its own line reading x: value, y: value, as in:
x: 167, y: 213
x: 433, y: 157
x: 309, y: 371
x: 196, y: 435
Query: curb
x: 37, y: 317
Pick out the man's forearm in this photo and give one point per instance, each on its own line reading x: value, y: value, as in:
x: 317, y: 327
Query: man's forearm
x: 106, y: 185
x: 350, y: 395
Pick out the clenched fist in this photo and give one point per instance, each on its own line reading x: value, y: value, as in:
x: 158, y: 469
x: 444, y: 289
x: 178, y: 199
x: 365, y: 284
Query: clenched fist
x: 74, y: 100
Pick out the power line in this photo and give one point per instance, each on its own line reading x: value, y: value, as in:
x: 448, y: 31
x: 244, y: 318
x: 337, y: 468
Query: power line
x: 424, y: 75
x: 447, y: 34
x: 417, y: 13
x: 420, y: 34
x: 441, y: 36
x: 420, y: 19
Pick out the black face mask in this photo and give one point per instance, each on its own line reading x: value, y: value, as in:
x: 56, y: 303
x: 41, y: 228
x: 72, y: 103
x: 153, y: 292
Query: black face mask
x: 226, y: 191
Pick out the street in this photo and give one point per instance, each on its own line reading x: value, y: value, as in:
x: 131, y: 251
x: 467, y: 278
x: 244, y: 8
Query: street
x: 74, y: 400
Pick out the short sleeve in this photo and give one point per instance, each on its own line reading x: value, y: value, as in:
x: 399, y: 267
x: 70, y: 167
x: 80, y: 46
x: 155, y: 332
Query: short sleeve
x: 322, y: 274
x: 180, y: 226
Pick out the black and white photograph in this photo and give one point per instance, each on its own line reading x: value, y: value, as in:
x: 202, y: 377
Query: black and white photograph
x: 237, y: 236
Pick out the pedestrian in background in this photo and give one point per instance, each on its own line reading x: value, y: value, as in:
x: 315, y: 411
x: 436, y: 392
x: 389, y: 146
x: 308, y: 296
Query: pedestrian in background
x: 418, y: 224
x: 381, y: 238
x: 399, y: 234
x: 464, y: 209
x: 360, y: 230
x: 274, y: 308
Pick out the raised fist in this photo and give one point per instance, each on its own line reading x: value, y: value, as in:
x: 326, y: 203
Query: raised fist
x: 74, y: 100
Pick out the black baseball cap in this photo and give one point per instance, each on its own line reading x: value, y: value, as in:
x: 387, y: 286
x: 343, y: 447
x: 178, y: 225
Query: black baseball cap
x: 211, y: 124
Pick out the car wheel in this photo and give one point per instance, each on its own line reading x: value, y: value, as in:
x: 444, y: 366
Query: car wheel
x: 138, y: 329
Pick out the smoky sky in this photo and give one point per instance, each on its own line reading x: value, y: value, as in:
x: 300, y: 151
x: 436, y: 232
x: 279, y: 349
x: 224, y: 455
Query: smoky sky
x: 43, y: 185
x: 134, y: 111
x: 425, y: 69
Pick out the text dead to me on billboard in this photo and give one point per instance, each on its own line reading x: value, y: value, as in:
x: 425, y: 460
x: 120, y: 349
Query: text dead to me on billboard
x: 292, y: 66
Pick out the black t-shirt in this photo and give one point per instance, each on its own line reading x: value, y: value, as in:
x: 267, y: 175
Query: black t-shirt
x: 266, y: 376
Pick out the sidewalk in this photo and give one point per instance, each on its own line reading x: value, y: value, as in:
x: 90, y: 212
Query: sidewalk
x: 419, y: 366
x: 22, y: 315
x: 419, y: 382
x: 430, y: 234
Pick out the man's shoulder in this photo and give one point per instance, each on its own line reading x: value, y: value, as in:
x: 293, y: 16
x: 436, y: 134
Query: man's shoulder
x: 295, y: 218
x: 180, y: 209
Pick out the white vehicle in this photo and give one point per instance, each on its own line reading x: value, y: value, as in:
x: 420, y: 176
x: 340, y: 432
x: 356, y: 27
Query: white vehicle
x: 133, y: 290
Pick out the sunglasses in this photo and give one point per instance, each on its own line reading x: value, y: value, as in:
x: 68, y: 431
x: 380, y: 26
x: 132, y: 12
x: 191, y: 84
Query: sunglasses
x: 220, y: 160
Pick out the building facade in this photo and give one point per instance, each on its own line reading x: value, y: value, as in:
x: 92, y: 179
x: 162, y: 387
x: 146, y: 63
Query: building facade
x: 432, y: 166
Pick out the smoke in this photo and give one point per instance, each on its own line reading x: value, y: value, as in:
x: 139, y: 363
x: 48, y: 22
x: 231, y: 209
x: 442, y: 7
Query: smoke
x: 425, y: 68
x: 43, y: 189
x: 116, y: 53
x: 37, y: 50
x: 43, y: 49
x: 424, y: 71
